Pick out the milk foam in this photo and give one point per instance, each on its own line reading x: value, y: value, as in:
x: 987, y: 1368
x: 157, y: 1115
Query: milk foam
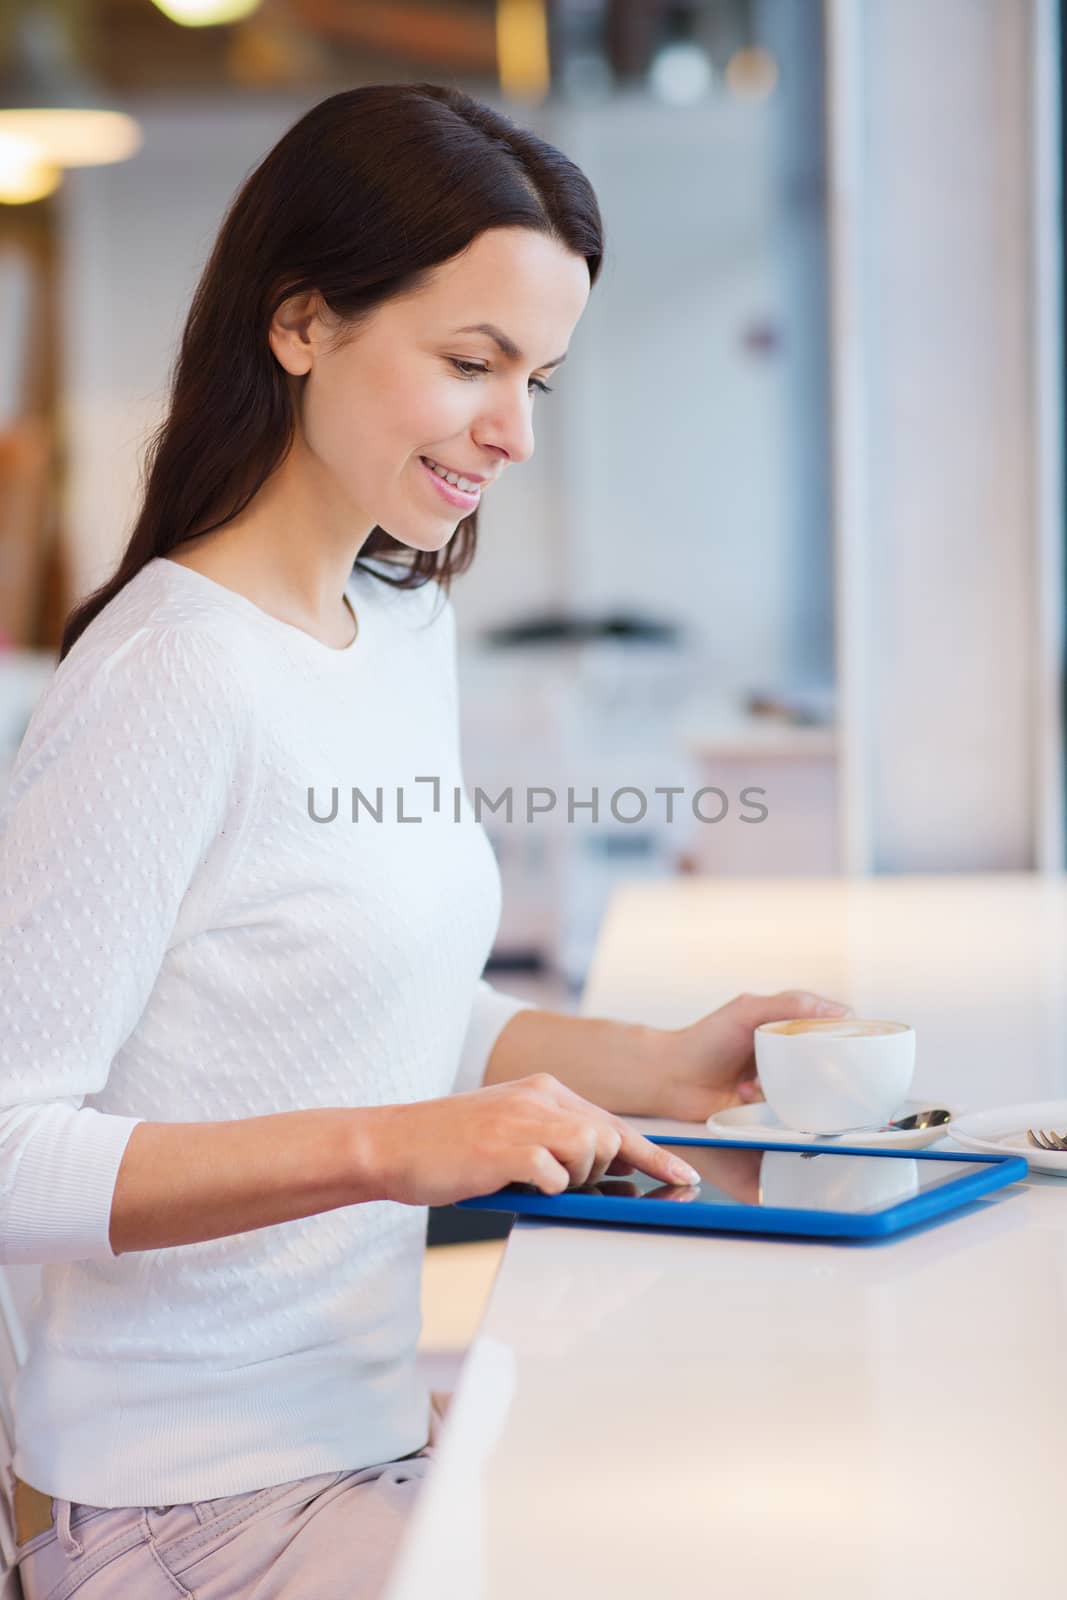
x: 837, y: 1028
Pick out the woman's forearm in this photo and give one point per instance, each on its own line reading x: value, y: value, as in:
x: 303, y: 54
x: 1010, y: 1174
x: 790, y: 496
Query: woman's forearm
x: 184, y: 1182
x: 620, y: 1066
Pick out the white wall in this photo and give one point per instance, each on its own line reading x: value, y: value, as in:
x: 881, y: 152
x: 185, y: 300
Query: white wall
x: 678, y: 451
x: 942, y: 261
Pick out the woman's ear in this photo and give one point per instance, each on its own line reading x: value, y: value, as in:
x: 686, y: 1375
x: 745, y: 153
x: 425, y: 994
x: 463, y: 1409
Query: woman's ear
x: 296, y: 330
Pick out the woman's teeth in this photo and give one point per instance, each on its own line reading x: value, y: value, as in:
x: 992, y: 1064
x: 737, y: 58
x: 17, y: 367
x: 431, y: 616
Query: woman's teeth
x: 465, y: 484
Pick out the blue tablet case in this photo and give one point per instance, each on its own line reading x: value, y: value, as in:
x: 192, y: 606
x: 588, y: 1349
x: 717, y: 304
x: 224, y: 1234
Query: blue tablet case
x: 579, y: 1206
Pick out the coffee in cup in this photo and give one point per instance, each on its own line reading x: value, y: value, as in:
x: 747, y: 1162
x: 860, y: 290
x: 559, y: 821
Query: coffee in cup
x: 824, y: 1074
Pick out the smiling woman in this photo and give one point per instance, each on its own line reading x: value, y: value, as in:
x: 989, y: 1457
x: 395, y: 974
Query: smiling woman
x: 321, y: 365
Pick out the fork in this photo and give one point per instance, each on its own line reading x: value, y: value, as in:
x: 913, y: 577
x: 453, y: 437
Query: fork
x: 1045, y: 1139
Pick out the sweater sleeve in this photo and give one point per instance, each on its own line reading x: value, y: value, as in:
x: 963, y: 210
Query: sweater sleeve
x: 489, y: 1013
x: 119, y: 795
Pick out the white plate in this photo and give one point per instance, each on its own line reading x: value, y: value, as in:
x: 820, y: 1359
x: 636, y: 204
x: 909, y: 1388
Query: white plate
x: 759, y: 1123
x: 1003, y: 1131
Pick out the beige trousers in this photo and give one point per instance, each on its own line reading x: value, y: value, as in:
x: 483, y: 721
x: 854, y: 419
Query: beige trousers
x: 321, y: 1538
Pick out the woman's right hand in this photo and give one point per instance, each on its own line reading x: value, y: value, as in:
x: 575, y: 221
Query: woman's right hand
x: 530, y: 1130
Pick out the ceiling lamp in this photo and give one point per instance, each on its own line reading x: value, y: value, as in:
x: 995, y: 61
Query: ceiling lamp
x: 50, y: 113
x: 24, y: 175
x: 207, y: 13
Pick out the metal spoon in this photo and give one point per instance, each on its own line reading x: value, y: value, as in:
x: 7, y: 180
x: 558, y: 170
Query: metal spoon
x: 932, y: 1118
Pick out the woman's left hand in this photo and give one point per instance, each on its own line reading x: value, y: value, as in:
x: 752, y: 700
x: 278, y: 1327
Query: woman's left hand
x: 711, y: 1064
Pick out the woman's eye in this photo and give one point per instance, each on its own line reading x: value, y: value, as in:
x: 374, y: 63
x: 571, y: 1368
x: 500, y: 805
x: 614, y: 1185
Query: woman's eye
x: 474, y: 370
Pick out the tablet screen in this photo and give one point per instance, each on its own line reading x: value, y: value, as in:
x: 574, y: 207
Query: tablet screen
x: 788, y: 1179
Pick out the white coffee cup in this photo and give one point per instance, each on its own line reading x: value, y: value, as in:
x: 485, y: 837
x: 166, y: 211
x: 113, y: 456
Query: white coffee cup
x: 824, y: 1074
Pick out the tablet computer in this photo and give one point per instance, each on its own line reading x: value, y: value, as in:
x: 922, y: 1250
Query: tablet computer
x: 833, y: 1190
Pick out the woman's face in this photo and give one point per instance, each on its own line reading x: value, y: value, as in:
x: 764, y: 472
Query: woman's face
x: 410, y: 384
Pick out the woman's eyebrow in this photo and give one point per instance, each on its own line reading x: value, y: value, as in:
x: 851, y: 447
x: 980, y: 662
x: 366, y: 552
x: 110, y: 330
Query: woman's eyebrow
x: 508, y: 346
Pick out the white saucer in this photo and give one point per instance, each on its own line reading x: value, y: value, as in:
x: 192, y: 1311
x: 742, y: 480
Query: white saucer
x: 759, y: 1124
x: 1003, y: 1132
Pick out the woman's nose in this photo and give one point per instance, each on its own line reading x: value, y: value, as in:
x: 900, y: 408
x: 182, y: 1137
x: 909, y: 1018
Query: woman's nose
x: 510, y: 428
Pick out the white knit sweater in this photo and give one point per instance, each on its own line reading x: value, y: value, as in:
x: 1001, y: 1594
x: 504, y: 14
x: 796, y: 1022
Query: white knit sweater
x: 182, y: 940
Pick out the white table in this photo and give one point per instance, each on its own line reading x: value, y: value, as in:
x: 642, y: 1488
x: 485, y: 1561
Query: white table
x: 654, y: 1414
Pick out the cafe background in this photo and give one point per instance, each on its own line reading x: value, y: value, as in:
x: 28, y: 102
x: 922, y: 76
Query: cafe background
x: 794, y: 521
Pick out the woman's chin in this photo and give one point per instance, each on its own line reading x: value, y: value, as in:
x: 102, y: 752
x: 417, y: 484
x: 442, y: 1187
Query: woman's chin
x: 425, y: 542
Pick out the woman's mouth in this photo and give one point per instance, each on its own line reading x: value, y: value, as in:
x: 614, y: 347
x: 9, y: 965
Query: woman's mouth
x: 462, y: 499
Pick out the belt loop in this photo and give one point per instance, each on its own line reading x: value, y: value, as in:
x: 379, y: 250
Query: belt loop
x: 71, y: 1545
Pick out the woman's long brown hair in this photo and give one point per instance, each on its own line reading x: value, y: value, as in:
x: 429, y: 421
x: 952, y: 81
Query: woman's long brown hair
x: 361, y: 199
